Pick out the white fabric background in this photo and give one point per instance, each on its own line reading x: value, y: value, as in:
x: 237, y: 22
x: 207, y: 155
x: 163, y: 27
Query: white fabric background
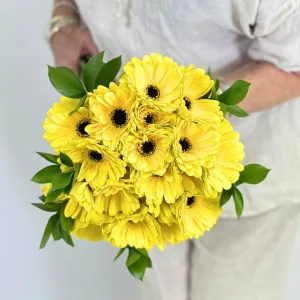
x: 58, y: 272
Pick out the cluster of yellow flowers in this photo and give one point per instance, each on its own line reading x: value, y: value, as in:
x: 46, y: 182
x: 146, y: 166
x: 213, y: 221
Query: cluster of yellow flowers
x: 155, y: 155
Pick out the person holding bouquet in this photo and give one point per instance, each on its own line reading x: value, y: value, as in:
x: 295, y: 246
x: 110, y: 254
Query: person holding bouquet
x: 257, y: 41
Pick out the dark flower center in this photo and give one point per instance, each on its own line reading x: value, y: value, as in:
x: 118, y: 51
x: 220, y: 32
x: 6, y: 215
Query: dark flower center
x: 188, y: 103
x: 152, y: 91
x: 95, y: 156
x: 190, y: 201
x: 81, y: 127
x: 119, y: 117
x: 147, y: 148
x: 185, y: 144
x: 149, y: 119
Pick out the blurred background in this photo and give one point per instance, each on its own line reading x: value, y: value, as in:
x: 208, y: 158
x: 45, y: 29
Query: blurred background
x: 58, y: 272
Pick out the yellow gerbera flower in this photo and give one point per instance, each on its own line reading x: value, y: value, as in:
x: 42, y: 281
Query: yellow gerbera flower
x: 73, y: 208
x: 90, y: 232
x: 172, y: 233
x: 149, y: 152
x: 81, y: 206
x: 195, y: 83
x: 146, y: 117
x: 139, y: 230
x: 194, y: 147
x: 227, y: 167
x: 156, y: 188
x: 76, y: 210
x: 82, y: 194
x: 196, y: 214
x: 166, y: 213
x: 61, y: 129
x: 191, y: 184
x: 201, y: 111
x: 117, y: 197
x: 156, y: 80
x: 45, y: 189
x: 113, y: 112
x: 98, y: 163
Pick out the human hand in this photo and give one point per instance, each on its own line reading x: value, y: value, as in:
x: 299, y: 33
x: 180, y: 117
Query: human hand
x: 71, y: 43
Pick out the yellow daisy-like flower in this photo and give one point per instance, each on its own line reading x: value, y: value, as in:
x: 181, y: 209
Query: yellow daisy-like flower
x: 197, y: 214
x: 98, y: 163
x: 113, y: 112
x: 46, y: 188
x: 90, y: 232
x: 166, y: 213
x: 117, y: 197
x: 81, y: 194
x: 195, y: 83
x: 156, y: 80
x: 172, y: 233
x: 82, y: 206
x: 149, y: 152
x: 156, y: 188
x: 139, y: 230
x: 201, y: 111
x: 195, y: 146
x: 73, y: 208
x: 146, y: 117
x: 227, y: 167
x: 192, y: 184
x: 62, y: 128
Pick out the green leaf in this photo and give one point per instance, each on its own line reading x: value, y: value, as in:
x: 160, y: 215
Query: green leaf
x: 91, y: 70
x: 138, y: 268
x: 77, y: 167
x: 66, y: 82
x: 50, y: 157
x: 236, y: 93
x: 217, y: 84
x: 45, y: 175
x: 66, y: 160
x: 66, y: 223
x: 236, y: 111
x: 56, y: 232
x: 238, y: 201
x: 213, y: 95
x: 108, y: 72
x: 253, y: 174
x: 206, y: 96
x: 208, y: 72
x: 223, y: 107
x: 42, y: 198
x: 61, y: 180
x: 68, y: 188
x: 44, y: 207
x: 226, y: 194
x: 48, y: 230
x: 80, y: 104
x: 120, y: 252
x: 67, y: 238
x: 53, y: 195
x: 133, y: 256
x: 137, y: 262
x: 141, y: 251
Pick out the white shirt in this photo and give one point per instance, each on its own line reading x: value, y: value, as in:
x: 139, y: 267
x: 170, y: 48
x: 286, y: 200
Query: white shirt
x: 222, y: 35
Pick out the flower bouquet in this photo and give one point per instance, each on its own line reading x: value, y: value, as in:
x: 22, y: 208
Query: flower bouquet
x: 143, y: 162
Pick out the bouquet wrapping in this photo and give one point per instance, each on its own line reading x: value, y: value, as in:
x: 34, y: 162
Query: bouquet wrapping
x: 143, y: 161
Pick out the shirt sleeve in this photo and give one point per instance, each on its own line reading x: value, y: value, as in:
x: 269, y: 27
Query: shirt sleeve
x: 276, y: 34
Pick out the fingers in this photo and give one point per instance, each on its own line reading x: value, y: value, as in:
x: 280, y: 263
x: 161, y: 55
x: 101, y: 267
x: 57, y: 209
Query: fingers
x: 70, y: 44
x: 89, y: 47
x: 72, y: 64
